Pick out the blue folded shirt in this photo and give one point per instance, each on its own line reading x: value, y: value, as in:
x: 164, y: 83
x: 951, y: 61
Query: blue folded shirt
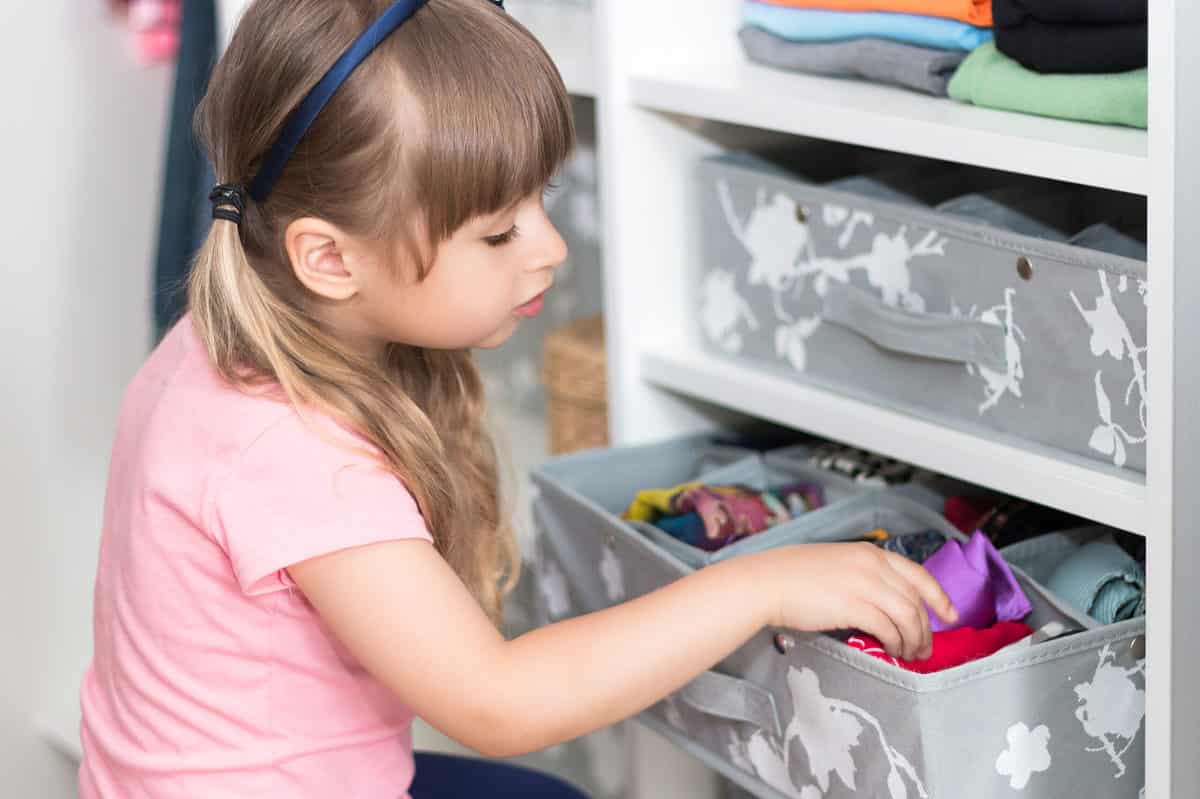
x: 819, y: 25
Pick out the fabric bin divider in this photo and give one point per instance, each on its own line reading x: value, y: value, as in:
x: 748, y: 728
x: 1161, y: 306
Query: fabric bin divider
x: 1041, y: 555
x: 609, y: 478
x: 759, y: 474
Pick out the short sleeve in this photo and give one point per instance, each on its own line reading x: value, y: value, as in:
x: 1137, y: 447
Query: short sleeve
x: 299, y: 492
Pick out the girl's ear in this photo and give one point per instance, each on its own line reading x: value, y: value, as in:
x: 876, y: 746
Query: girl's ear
x: 316, y: 250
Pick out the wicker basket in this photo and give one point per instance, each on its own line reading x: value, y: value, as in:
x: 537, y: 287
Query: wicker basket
x: 573, y: 375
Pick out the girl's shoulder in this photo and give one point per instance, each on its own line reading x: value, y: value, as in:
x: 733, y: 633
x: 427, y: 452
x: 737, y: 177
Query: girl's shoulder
x: 180, y: 393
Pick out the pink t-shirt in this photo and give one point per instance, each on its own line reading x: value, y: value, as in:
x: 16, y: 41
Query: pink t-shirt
x: 213, y: 677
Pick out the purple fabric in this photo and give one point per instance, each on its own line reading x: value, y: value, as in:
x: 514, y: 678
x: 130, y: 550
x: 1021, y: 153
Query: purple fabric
x: 979, y: 583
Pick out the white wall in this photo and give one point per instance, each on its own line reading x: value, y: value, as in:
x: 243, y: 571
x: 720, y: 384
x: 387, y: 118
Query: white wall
x: 81, y: 137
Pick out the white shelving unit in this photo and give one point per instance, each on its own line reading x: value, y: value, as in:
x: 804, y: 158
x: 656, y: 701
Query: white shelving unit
x: 664, y: 68
x: 883, y: 117
x: 657, y: 66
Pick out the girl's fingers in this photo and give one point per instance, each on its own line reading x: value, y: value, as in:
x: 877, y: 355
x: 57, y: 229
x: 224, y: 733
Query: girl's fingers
x: 930, y: 591
x: 907, y: 618
x: 922, y: 647
x: 870, y: 618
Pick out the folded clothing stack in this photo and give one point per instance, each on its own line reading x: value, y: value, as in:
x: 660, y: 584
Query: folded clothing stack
x: 1074, y: 59
x: 1073, y: 36
x: 710, y: 517
x: 912, y: 43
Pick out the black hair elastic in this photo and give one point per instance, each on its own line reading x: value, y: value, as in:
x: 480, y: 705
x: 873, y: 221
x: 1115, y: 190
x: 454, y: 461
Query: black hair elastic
x: 229, y: 202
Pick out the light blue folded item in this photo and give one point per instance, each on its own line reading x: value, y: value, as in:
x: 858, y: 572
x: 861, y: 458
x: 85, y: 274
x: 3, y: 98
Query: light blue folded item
x: 1103, y: 581
x: 819, y: 25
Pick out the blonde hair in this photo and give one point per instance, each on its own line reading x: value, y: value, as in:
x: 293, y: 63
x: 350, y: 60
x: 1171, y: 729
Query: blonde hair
x: 458, y: 113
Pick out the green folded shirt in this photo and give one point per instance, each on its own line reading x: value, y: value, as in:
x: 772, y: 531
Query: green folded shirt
x: 992, y: 79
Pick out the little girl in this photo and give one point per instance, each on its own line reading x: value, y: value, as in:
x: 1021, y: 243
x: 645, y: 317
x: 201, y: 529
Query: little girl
x: 303, y: 546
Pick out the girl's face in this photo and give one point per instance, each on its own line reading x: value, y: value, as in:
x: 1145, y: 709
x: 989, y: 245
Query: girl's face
x: 486, y: 278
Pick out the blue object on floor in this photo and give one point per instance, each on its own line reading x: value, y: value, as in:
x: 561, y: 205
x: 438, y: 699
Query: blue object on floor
x: 451, y: 777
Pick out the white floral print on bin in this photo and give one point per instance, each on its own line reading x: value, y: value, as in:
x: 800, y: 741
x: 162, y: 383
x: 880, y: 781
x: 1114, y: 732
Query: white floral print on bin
x: 856, y: 218
x: 673, y: 714
x: 1112, y: 707
x: 612, y: 575
x: 772, y: 235
x: 1027, y: 754
x: 735, y: 747
x: 834, y: 215
x: 723, y: 311
x: 762, y: 757
x: 826, y: 732
x: 997, y: 384
x: 771, y: 765
x: 829, y: 730
x: 553, y: 585
x: 886, y: 267
x: 1111, y: 337
x: 790, y: 338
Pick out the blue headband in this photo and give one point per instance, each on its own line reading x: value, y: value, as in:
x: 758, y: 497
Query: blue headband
x: 310, y: 108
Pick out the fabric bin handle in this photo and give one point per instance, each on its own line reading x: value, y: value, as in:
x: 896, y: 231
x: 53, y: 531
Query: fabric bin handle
x: 926, y: 335
x: 732, y: 698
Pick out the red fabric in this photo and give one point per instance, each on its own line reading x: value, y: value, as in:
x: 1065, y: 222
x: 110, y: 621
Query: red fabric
x: 950, y: 648
x: 966, y: 513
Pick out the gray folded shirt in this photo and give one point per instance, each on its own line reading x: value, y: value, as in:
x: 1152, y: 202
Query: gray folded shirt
x: 879, y: 60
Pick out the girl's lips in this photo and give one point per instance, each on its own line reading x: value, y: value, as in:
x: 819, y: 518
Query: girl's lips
x: 533, y: 307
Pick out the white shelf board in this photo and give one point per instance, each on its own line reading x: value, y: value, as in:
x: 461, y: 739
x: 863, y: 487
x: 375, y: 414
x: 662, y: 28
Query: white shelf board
x: 902, y: 121
x: 566, y: 32
x: 1093, y: 493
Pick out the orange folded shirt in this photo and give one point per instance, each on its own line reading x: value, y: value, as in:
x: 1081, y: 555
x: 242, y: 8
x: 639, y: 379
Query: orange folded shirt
x: 976, y: 12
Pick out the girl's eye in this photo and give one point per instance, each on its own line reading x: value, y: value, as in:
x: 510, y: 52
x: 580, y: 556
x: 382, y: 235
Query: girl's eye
x: 503, y: 238
x: 550, y: 189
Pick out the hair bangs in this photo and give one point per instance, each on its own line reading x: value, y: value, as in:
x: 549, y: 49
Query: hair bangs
x: 488, y: 143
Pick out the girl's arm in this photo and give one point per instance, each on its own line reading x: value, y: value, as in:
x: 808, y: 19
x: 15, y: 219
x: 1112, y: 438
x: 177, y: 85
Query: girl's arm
x: 410, y: 621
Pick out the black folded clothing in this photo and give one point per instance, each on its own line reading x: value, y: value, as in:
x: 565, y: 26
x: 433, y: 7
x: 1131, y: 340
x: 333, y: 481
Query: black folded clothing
x: 1072, y: 48
x: 1007, y: 13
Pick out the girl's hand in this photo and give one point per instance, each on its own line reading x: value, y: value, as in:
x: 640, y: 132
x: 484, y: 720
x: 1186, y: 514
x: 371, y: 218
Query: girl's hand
x: 818, y: 587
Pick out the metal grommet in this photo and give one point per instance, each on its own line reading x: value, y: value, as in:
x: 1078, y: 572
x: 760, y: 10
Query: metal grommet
x: 784, y: 643
x: 801, y: 214
x: 1025, y: 268
x: 1137, y: 648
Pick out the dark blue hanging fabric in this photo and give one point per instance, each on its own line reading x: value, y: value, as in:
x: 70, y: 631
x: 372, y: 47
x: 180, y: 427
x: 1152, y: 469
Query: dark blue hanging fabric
x: 187, y: 177
x: 442, y: 776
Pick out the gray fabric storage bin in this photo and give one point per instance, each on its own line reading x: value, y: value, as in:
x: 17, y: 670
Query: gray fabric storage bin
x: 795, y: 715
x: 930, y: 313
x: 586, y: 493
